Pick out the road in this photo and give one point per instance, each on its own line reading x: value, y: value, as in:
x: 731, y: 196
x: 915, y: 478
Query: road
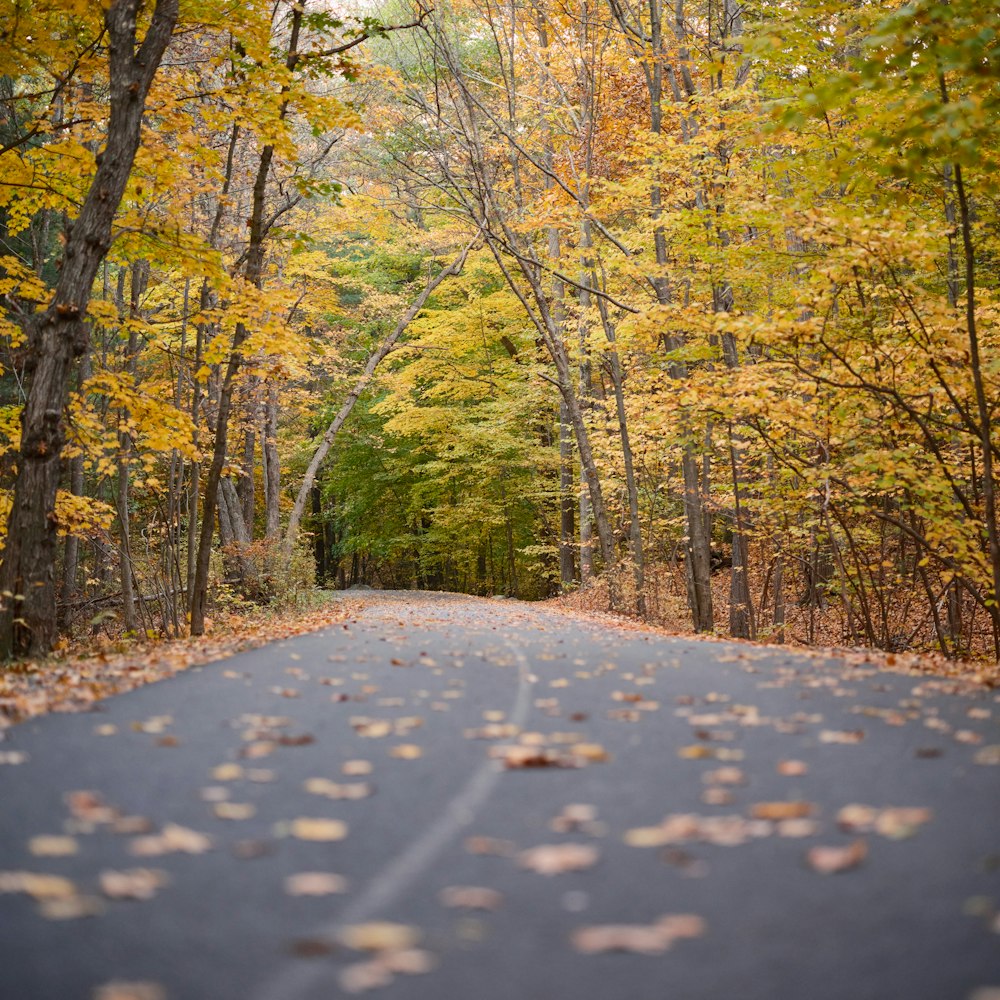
x: 358, y: 808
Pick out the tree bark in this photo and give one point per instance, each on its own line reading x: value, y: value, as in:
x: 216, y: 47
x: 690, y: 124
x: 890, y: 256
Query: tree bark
x: 59, y: 334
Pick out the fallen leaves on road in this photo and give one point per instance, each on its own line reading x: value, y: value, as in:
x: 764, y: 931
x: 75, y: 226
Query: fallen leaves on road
x: 683, y: 828
x: 315, y: 884
x: 782, y: 810
x: 642, y: 939
x: 792, y: 768
x: 555, y: 859
x: 134, y: 883
x: 831, y: 860
x: 172, y: 839
x: 470, y: 897
x: 843, y: 736
x: 235, y: 810
x: 351, y: 790
x: 130, y: 991
x: 306, y: 828
x: 52, y: 846
x: 894, y: 823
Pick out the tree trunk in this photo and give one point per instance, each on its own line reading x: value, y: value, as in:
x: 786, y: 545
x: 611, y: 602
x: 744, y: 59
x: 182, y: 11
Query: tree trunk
x: 59, y: 334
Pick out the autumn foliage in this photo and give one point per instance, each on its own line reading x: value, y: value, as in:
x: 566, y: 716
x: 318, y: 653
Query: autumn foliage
x: 718, y: 340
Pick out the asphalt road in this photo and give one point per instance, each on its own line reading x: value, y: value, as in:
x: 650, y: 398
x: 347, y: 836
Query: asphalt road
x: 665, y: 761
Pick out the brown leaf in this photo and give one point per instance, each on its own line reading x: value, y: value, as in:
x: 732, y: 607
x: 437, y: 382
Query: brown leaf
x: 120, y: 990
x: 52, y: 846
x: 653, y: 939
x: 781, y: 810
x: 235, y: 810
x: 554, y: 859
x: 830, y: 860
x: 356, y: 768
x: 378, y: 936
x: 792, y: 768
x: 841, y: 736
x: 406, y: 751
x: 315, y: 884
x: 470, y: 897
x: 306, y: 828
x: 134, y: 883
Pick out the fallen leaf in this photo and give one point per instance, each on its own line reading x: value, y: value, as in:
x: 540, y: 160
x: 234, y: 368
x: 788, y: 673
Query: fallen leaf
x: 792, y: 768
x: 378, y: 935
x: 172, y: 838
x: 71, y: 907
x: 724, y: 776
x: 555, y: 859
x: 988, y: 755
x: 781, y: 810
x: 830, y: 860
x: 227, y: 772
x: 470, y: 897
x: 841, y: 736
x: 305, y: 828
x: 356, y: 768
x: 37, y: 885
x: 52, y: 846
x: 406, y: 751
x: 134, y: 883
x: 130, y: 991
x: 315, y: 884
x: 899, y: 823
x: 235, y: 810
x: 643, y: 939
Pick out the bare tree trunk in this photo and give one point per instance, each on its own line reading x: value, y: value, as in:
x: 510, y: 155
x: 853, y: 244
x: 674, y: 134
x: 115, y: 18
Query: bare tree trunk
x: 59, y: 334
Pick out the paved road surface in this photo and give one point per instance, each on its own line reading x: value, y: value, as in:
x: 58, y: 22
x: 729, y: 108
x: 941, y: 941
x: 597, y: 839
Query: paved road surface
x: 405, y: 687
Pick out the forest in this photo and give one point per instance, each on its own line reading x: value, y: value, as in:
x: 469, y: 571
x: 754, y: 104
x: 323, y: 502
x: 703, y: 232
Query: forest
x: 685, y: 310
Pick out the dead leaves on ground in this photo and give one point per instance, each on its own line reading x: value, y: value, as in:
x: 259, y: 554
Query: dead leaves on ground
x: 394, y: 951
x: 641, y: 939
x: 831, y: 860
x: 555, y: 859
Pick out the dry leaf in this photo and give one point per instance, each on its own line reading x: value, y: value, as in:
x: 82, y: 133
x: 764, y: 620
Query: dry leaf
x: 130, y: 991
x: 37, y: 885
x: 470, y: 897
x: 70, y: 907
x: 841, y: 736
x: 781, y: 810
x: 305, y: 828
x: 554, y: 859
x: 227, y: 772
x: 356, y: 768
x: 379, y: 935
x: 406, y: 751
x: 792, y: 768
x: 235, y: 810
x: 593, y: 753
x: 52, y: 846
x: 653, y: 939
x: 315, y: 884
x: 171, y: 838
x: 898, y: 824
x: 135, y: 883
x: 830, y: 860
